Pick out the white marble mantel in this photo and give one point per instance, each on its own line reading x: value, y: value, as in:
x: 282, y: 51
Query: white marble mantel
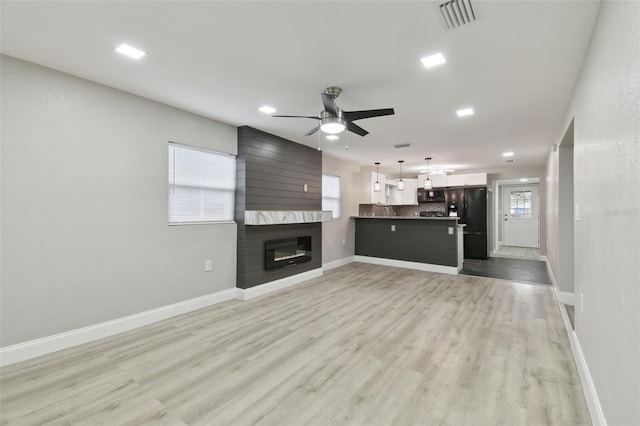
x: 280, y: 217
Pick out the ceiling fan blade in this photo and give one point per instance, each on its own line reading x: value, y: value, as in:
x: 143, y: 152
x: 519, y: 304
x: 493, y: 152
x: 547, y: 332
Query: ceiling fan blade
x: 312, y: 131
x: 359, y: 115
x: 329, y: 105
x: 296, y: 116
x: 356, y: 129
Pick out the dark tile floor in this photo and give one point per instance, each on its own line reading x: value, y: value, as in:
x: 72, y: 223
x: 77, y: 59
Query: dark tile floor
x: 521, y: 270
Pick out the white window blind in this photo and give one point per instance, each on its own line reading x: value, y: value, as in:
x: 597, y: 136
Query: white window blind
x: 201, y: 185
x: 331, y: 195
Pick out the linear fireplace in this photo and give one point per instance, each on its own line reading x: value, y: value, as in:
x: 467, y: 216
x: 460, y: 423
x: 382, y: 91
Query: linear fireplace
x: 286, y: 252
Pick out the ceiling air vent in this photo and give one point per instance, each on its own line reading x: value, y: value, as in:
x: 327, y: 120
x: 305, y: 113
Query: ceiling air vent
x: 456, y: 13
x: 402, y: 145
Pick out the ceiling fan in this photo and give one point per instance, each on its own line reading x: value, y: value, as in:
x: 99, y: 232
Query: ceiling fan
x: 334, y: 120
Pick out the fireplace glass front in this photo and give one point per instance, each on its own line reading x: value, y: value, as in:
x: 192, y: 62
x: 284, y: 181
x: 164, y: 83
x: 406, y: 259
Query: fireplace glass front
x: 286, y: 252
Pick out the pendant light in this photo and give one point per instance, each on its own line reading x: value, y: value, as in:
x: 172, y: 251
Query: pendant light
x: 376, y: 186
x: 400, y: 182
x: 427, y: 182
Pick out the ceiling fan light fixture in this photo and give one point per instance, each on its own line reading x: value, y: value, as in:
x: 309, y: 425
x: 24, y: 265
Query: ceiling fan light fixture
x: 332, y: 125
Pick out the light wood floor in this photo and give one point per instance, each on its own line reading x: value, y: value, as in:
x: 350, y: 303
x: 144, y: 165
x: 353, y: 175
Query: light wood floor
x: 364, y: 344
x: 517, y: 252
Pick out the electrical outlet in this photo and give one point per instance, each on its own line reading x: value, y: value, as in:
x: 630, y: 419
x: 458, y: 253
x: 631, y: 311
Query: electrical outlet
x: 393, y: 228
x: 450, y: 230
x: 577, y: 212
x: 344, y: 241
x: 207, y: 265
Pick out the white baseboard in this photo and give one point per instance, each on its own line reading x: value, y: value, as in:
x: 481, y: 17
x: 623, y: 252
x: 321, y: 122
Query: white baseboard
x: 337, y: 263
x: 588, y: 388
x: 565, y: 297
x: 34, y: 348
x: 593, y: 402
x: 451, y: 270
x: 31, y: 349
x: 262, y: 289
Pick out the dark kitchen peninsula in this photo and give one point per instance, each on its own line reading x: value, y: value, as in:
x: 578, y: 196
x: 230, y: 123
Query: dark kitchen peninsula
x: 425, y: 243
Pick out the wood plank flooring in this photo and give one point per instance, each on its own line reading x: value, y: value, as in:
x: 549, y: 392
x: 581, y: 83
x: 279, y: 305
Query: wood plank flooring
x: 364, y: 344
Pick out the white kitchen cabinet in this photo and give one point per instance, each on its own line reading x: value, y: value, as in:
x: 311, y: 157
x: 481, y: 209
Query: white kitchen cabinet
x: 367, y: 194
x: 470, y: 179
x: 456, y: 180
x: 476, y: 179
x: 409, y: 196
x: 438, y: 180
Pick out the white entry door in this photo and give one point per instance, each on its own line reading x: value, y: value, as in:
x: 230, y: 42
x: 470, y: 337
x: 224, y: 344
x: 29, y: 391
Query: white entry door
x: 521, y: 219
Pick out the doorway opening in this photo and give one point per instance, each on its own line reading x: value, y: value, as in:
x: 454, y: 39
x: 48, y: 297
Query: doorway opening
x: 514, y: 248
x: 517, y: 218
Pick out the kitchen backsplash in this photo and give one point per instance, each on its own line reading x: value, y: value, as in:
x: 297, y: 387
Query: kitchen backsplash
x: 376, y: 210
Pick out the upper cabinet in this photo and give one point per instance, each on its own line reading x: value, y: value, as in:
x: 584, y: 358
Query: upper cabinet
x: 476, y: 179
x: 408, y: 196
x: 438, y: 180
x: 456, y: 180
x: 367, y: 194
x: 471, y: 179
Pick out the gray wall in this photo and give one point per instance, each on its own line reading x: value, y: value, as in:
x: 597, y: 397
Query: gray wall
x: 560, y: 192
x: 270, y: 175
x: 565, y: 214
x: 343, y: 228
x: 605, y: 107
x: 84, y: 205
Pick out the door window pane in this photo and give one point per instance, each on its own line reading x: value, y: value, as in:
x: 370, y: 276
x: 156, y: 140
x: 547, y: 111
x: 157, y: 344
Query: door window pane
x: 520, y: 204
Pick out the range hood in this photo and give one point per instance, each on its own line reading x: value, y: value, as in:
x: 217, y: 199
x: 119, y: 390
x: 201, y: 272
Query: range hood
x: 283, y: 217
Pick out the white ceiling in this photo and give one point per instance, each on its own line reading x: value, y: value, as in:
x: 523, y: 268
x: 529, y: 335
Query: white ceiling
x: 516, y: 66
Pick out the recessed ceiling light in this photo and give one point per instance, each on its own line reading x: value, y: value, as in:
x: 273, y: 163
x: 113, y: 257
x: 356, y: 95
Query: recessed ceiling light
x: 464, y: 112
x: 507, y: 154
x: 433, y: 60
x: 524, y: 180
x: 333, y: 137
x: 129, y: 51
x: 267, y: 109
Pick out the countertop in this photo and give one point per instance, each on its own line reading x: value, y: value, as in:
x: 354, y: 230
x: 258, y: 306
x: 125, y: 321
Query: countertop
x: 407, y: 217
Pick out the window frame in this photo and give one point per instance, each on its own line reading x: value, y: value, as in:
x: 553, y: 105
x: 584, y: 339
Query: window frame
x: 171, y: 186
x: 337, y: 199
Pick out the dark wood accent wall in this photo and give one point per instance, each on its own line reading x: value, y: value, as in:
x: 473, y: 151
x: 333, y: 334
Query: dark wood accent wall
x: 270, y: 175
x: 414, y: 240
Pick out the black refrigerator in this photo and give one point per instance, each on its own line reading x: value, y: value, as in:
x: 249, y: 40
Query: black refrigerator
x: 471, y: 206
